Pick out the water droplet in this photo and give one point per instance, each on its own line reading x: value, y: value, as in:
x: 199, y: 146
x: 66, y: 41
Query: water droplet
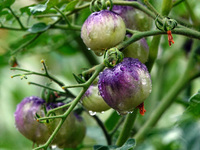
x: 99, y: 93
x: 103, y: 112
x: 122, y: 112
x: 122, y: 68
x: 89, y: 49
x: 53, y: 146
x: 144, y: 81
x: 92, y: 113
x: 98, y: 53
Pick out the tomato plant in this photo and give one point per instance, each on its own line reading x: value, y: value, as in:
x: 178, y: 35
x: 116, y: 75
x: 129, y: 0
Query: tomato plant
x: 99, y: 57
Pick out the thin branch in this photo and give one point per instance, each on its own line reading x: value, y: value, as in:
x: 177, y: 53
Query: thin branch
x: 46, y: 87
x: 100, y: 123
x: 26, y: 44
x: 17, y: 18
x: 63, y: 15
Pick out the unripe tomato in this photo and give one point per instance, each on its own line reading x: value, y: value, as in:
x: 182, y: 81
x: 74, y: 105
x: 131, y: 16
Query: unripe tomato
x: 25, y: 119
x: 125, y: 86
x: 138, y: 49
x: 26, y: 123
x: 103, y: 30
x: 93, y: 101
x: 133, y: 18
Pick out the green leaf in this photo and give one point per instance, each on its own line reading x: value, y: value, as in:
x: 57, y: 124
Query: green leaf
x: 194, y: 105
x: 38, y: 8
x: 38, y: 27
x: 100, y: 147
x: 130, y: 143
x: 51, y: 3
x: 104, y: 147
x: 79, y: 78
x: 6, y: 3
x: 71, y: 5
x: 26, y: 10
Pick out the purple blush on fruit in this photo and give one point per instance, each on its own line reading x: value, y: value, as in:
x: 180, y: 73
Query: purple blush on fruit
x: 125, y: 86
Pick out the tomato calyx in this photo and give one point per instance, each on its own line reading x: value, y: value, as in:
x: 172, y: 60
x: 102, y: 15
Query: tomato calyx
x: 141, y: 108
x: 170, y: 38
x: 166, y: 24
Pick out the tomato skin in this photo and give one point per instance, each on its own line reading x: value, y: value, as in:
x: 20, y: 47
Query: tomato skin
x: 92, y: 101
x: 39, y: 133
x: 103, y: 30
x: 125, y: 86
x: 133, y: 18
x: 139, y: 50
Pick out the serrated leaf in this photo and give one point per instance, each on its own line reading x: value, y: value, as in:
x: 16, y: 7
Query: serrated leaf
x: 71, y: 5
x: 38, y: 27
x: 130, y: 143
x: 6, y: 3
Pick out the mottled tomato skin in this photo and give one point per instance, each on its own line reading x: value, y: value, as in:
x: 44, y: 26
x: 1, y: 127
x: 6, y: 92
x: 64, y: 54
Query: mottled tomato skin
x: 39, y: 133
x: 138, y: 49
x: 126, y: 85
x: 133, y: 18
x: 27, y: 124
x: 103, y: 30
x: 93, y: 101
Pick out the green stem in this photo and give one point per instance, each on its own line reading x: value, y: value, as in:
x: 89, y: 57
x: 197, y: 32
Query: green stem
x: 17, y: 18
x: 151, y: 7
x: 138, y: 35
x: 177, y: 3
x: 125, y: 133
x: 25, y: 44
x: 117, y: 126
x: 28, y: 72
x: 46, y: 87
x: 68, y: 13
x: 153, y: 52
x: 14, y: 29
x: 166, y: 7
x: 67, y: 27
x: 191, y: 12
x: 63, y: 15
x: 100, y: 123
x: 99, y: 68
x: 73, y: 86
x: 190, y: 73
x: 136, y: 5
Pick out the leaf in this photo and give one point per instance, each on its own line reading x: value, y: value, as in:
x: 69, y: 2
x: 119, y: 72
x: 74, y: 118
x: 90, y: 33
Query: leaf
x: 38, y: 8
x: 6, y: 3
x: 79, y: 78
x: 100, y: 147
x: 38, y: 27
x: 71, y: 5
x: 130, y: 143
x: 26, y: 10
x: 194, y: 105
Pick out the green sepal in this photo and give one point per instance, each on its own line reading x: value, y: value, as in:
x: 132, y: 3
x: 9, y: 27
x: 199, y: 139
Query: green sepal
x: 112, y: 57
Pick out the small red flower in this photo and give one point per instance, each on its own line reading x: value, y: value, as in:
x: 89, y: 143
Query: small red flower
x: 170, y: 38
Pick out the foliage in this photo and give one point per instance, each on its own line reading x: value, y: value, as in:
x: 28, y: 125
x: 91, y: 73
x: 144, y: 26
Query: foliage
x: 49, y: 30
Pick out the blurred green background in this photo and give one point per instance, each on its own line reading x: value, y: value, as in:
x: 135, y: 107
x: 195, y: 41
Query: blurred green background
x: 65, y: 53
